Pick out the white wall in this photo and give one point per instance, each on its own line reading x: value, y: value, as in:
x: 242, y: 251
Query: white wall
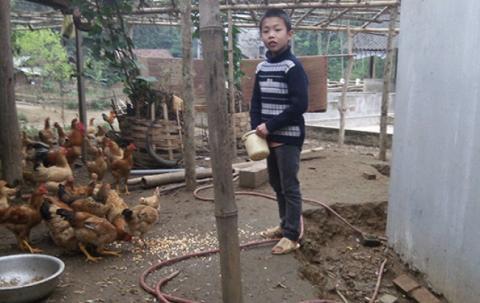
x: 434, y: 208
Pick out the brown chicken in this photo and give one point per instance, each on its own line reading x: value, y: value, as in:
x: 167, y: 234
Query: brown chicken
x: 110, y: 118
x: 100, y: 134
x: 62, y: 136
x: 59, y: 172
x: 20, y: 219
x: 99, y: 166
x: 61, y: 232
x: 121, y: 168
x: 153, y: 201
x: 111, y: 150
x: 140, y: 219
x: 5, y: 193
x: 91, y: 128
x: 91, y: 230
x: 46, y: 135
x: 76, y: 135
x: 116, y: 206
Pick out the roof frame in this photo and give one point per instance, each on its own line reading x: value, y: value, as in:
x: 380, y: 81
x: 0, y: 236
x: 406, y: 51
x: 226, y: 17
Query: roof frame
x: 325, y: 15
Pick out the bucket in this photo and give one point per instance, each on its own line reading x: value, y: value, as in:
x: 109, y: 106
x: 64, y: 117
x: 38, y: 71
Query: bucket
x: 257, y: 147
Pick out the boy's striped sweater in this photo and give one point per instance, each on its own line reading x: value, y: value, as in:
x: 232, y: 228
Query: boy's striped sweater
x: 280, y: 97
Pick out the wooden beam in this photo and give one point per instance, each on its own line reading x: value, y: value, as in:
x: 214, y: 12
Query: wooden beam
x: 299, y: 20
x: 329, y: 20
x: 10, y: 149
x: 255, y: 7
x: 387, y: 77
x: 63, y: 5
x: 226, y: 213
x: 377, y: 15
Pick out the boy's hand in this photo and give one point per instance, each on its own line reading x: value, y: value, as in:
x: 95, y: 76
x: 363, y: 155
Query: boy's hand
x: 262, y: 130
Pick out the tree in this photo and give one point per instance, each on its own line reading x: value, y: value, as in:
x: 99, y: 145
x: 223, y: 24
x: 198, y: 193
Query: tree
x: 44, y: 50
x: 10, y: 134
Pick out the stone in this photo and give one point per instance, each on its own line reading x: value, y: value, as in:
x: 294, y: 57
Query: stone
x: 253, y: 176
x: 386, y: 298
x: 369, y: 176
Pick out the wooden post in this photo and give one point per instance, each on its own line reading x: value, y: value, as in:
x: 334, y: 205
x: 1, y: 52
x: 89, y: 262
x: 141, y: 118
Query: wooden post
x: 167, y: 126
x: 10, y: 134
x: 188, y: 98
x: 211, y: 34
x: 387, y: 75
x: 342, y: 108
x: 231, y: 85
x: 82, y: 107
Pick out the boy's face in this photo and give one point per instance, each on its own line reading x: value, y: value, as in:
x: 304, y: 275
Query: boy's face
x: 275, y: 35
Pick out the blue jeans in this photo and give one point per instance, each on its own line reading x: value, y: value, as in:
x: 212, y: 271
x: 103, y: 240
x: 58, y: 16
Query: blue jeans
x: 283, y: 165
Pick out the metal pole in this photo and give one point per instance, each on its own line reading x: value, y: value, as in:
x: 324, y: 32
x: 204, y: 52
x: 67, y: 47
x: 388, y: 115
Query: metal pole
x: 81, y: 85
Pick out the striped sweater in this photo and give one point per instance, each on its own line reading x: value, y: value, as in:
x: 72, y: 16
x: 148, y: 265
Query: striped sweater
x: 280, y: 97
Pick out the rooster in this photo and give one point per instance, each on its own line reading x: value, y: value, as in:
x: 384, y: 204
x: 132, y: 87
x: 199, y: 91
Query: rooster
x: 46, y: 134
x: 121, y: 168
x: 20, y: 219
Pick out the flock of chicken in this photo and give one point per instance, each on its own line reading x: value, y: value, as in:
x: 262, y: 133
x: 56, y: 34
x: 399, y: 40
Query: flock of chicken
x: 78, y: 217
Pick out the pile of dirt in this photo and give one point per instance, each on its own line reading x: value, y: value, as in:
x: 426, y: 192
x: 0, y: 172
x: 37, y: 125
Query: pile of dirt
x: 333, y: 259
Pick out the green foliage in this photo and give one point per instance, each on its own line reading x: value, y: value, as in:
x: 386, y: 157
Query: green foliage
x: 44, y: 51
x: 71, y: 105
x: 111, y: 43
x: 22, y: 118
x: 99, y: 104
x: 306, y: 43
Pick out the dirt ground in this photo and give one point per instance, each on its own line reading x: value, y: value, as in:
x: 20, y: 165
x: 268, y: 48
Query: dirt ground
x: 330, y: 261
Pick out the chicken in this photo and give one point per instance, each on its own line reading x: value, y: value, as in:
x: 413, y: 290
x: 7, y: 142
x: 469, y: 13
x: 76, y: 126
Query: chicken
x: 140, y: 219
x: 99, y: 166
x: 76, y: 135
x: 46, y: 135
x: 91, y: 128
x: 91, y: 230
x: 116, y: 206
x: 110, y: 118
x: 20, y: 219
x: 61, y: 232
x: 57, y: 173
x: 121, y: 168
x: 82, y: 202
x: 153, y: 201
x: 111, y: 150
x: 62, y: 137
x: 91, y: 206
x: 5, y: 193
x: 100, y: 134
x: 80, y: 190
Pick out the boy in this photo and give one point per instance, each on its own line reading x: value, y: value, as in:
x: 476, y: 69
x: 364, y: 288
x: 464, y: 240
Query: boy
x: 280, y: 98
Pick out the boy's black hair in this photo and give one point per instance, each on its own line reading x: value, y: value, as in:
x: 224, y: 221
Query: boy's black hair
x: 277, y: 12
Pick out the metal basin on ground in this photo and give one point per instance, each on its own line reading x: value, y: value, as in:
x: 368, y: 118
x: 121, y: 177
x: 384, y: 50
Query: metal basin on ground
x: 28, y: 277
